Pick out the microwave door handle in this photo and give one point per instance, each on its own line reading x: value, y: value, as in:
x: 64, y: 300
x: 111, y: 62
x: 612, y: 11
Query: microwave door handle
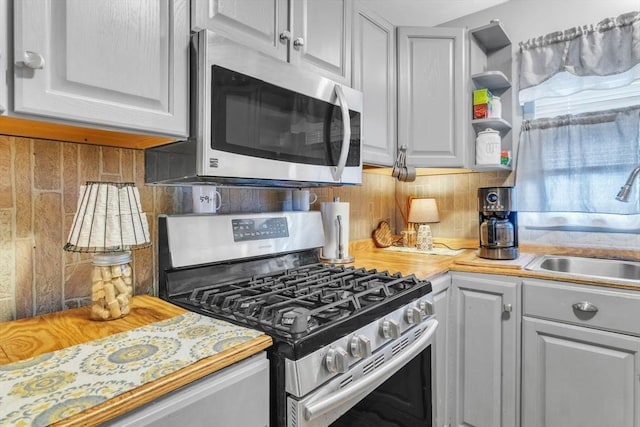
x: 370, y: 382
x: 346, y: 135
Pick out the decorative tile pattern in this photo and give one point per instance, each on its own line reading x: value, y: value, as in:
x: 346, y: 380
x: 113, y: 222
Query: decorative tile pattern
x: 54, y: 386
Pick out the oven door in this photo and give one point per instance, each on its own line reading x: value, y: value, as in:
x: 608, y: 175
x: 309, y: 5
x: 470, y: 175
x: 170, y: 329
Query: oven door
x: 260, y: 118
x: 391, y: 388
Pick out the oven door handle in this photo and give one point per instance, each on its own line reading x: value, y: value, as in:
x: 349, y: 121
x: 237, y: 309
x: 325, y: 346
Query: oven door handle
x: 370, y: 382
x: 346, y: 135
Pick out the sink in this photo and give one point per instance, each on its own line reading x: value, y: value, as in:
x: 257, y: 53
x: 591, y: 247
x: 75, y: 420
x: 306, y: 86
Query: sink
x: 600, y: 268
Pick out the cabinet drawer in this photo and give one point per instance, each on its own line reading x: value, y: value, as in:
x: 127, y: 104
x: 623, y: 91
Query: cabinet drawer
x: 612, y: 309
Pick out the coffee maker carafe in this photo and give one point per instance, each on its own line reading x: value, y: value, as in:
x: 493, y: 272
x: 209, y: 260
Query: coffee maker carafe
x: 498, y: 223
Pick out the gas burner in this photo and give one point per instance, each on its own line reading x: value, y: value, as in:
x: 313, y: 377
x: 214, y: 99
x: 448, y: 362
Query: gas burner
x: 334, y: 295
x: 373, y: 297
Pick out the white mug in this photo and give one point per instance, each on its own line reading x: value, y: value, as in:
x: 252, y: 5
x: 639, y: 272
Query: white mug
x: 206, y: 199
x: 302, y: 199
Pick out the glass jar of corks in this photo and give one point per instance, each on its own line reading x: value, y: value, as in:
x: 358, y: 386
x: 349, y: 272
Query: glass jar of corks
x: 112, y: 286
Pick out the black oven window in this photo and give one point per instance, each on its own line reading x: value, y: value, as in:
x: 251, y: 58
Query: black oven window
x: 255, y: 118
x: 404, y: 400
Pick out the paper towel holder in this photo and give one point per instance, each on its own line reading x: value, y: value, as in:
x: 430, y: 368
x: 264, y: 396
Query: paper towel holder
x: 329, y: 223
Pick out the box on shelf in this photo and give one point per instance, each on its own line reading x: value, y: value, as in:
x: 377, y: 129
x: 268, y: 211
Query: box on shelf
x: 481, y: 103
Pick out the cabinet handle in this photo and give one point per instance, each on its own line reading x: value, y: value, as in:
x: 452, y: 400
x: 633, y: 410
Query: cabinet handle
x: 585, y: 306
x: 299, y: 42
x: 285, y: 36
x: 508, y: 308
x: 33, y: 60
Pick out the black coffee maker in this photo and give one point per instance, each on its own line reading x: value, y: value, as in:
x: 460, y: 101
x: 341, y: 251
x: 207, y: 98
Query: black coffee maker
x: 498, y: 223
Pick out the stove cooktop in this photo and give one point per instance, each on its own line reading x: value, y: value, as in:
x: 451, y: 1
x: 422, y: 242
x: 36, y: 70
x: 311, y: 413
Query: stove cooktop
x: 306, y: 307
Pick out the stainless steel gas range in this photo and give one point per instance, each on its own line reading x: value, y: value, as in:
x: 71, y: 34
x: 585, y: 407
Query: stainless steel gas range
x: 351, y: 346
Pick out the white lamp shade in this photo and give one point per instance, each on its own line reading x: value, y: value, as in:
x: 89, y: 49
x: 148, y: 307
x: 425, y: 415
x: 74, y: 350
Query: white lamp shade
x: 109, y: 218
x: 423, y: 211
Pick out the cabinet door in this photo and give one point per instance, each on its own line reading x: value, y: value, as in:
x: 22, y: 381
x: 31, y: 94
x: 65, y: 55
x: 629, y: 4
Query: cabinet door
x: 432, y: 107
x: 487, y: 314
x: 578, y: 377
x: 441, y: 299
x: 254, y: 23
x: 322, y: 37
x: 119, y: 64
x: 374, y: 74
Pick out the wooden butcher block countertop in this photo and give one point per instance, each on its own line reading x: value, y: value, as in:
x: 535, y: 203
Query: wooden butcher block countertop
x: 37, y: 336
x: 426, y: 266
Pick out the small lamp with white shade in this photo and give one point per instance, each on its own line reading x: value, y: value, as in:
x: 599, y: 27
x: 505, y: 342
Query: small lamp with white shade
x: 423, y: 212
x: 109, y: 222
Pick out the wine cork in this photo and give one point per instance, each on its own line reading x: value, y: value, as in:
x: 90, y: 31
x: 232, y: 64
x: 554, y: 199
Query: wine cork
x: 126, y: 271
x: 98, y: 312
x: 106, y: 273
x: 109, y: 291
x: 116, y: 271
x: 97, y: 295
x: 123, y: 299
x: 96, y: 275
x: 120, y: 285
x: 127, y: 280
x: 125, y: 310
x: 114, y: 309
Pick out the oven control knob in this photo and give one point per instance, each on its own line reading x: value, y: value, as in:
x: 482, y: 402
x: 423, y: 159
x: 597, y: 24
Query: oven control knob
x: 360, y: 346
x: 414, y: 315
x: 426, y: 307
x: 390, y: 329
x: 336, y: 360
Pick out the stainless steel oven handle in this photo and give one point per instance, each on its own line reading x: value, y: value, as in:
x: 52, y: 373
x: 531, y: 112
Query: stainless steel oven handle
x: 346, y: 135
x: 369, y: 383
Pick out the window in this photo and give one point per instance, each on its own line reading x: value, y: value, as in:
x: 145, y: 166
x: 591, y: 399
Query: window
x: 580, y: 138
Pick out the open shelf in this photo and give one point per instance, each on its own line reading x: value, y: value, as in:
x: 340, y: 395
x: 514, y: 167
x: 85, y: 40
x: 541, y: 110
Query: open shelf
x: 491, y: 37
x: 501, y: 125
x: 496, y: 81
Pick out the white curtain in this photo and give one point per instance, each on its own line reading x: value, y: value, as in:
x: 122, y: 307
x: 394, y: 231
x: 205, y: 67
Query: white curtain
x: 570, y: 169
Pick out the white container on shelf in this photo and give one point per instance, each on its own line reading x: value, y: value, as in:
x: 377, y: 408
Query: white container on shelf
x: 495, y: 112
x: 488, y: 147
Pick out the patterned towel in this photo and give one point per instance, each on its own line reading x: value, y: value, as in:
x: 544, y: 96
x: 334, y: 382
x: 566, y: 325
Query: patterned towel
x: 54, y: 386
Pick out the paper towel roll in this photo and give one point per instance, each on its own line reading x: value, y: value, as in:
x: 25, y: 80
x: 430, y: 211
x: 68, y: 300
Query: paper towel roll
x: 336, y: 243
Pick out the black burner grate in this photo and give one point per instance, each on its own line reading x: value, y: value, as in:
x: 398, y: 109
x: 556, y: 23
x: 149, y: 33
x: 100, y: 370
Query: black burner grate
x: 295, y: 302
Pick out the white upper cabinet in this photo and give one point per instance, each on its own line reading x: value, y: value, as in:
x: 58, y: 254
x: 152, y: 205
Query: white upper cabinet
x: 312, y: 34
x: 374, y: 74
x: 121, y: 65
x: 432, y: 103
x: 258, y: 24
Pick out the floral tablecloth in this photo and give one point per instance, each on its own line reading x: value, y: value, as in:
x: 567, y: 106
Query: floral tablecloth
x: 54, y: 386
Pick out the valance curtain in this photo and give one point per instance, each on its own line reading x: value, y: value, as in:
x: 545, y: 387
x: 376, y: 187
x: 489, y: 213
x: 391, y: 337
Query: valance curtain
x: 611, y: 47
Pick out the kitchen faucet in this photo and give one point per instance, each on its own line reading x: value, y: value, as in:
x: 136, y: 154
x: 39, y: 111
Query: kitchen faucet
x: 623, y: 194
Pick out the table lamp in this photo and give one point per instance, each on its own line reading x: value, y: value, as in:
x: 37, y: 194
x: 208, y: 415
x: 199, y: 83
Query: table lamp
x: 109, y: 222
x: 422, y: 212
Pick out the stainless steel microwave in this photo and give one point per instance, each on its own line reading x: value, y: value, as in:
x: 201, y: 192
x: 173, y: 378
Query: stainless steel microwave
x: 259, y: 121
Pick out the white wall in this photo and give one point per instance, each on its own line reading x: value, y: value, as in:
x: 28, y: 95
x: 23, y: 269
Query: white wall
x: 526, y: 19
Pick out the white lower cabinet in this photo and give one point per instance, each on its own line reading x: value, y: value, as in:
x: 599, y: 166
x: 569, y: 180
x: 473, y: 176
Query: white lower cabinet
x: 486, y: 347
x: 441, y: 286
x: 235, y: 396
x: 580, y: 364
